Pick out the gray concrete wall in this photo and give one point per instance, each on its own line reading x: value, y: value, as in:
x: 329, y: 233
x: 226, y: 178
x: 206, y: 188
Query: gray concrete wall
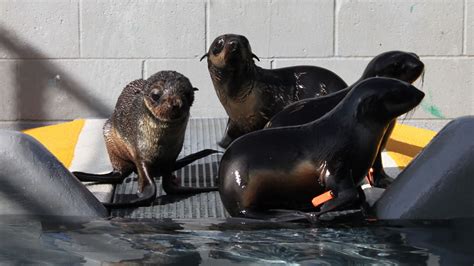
x: 61, y: 60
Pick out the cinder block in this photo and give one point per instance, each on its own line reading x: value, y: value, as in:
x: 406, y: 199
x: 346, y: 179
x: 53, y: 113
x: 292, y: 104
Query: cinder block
x: 470, y: 28
x: 349, y: 69
x: 206, y: 102
x: 67, y: 89
x: 7, y: 100
x: 277, y: 28
x: 39, y: 29
x: 137, y: 29
x: 425, y: 27
x: 448, y: 85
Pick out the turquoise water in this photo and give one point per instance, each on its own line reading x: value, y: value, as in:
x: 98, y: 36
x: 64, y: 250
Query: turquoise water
x: 166, y: 242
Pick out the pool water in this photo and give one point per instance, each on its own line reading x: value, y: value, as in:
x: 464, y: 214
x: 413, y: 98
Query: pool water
x: 70, y: 241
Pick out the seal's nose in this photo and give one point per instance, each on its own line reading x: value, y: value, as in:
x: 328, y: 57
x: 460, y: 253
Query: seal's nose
x: 233, y: 45
x: 414, y: 69
x: 176, y: 103
x: 418, y: 95
x: 415, y: 55
x: 418, y: 67
x: 173, y: 103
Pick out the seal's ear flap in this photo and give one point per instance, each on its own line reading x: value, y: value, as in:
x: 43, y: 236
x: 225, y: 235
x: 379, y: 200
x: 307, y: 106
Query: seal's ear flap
x: 204, y: 56
x: 372, y: 106
x: 256, y: 57
x: 195, y: 89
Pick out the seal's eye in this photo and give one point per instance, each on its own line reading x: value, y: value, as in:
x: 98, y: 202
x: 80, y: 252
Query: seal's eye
x: 218, y: 46
x: 156, y: 94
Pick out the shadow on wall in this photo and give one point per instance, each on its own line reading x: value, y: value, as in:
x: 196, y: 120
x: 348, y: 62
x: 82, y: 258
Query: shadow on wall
x: 40, y: 84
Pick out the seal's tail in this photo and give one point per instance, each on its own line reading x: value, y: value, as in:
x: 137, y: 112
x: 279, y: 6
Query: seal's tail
x: 112, y: 177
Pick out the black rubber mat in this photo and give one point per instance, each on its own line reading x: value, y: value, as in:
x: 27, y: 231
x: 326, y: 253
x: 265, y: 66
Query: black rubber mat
x: 201, y: 134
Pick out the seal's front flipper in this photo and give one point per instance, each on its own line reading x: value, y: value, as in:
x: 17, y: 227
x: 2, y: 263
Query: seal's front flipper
x: 379, y: 177
x: 147, y: 190
x: 192, y: 157
x: 145, y: 198
x: 231, y: 133
x: 343, y: 199
x: 225, y: 141
x: 113, y: 177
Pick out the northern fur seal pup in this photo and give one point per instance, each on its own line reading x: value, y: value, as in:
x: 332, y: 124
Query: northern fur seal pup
x: 250, y: 94
x: 270, y: 169
x: 145, y: 134
x: 394, y: 64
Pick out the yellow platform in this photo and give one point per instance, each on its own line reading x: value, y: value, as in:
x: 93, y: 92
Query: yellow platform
x: 60, y: 139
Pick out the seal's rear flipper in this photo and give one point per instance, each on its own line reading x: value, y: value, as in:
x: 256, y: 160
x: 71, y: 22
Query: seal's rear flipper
x: 278, y: 215
x: 285, y: 216
x: 190, y: 190
x: 112, y: 177
x: 171, y: 186
x: 180, y: 163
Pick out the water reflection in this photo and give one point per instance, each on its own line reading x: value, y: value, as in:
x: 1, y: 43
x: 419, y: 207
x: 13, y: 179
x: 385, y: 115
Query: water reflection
x: 333, y: 246
x: 166, y: 242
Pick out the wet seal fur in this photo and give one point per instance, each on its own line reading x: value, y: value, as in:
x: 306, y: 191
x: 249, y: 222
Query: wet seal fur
x: 251, y: 95
x: 393, y: 64
x: 145, y: 134
x: 274, y: 168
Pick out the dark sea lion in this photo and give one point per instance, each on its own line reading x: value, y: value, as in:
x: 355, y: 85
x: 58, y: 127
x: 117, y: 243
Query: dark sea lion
x: 394, y: 64
x: 145, y: 134
x: 250, y: 94
x: 287, y: 167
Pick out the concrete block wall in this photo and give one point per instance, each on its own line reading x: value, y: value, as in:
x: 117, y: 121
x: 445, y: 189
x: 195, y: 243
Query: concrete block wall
x: 61, y: 60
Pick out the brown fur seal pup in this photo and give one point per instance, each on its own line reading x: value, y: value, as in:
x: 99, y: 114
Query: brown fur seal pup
x: 250, y: 94
x: 278, y: 167
x: 145, y: 134
x: 394, y: 64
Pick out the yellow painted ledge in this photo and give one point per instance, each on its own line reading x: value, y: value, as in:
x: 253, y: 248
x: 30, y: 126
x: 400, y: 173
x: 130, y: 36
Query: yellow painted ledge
x: 60, y: 139
x: 406, y: 142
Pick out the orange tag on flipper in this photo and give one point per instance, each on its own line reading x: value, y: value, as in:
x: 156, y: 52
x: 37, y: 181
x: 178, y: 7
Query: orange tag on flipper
x: 318, y: 200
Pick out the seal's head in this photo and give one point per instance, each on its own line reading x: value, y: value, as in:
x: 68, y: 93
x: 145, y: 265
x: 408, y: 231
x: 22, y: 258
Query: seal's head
x: 384, y: 99
x: 169, y: 95
x: 230, y: 51
x: 395, y: 64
